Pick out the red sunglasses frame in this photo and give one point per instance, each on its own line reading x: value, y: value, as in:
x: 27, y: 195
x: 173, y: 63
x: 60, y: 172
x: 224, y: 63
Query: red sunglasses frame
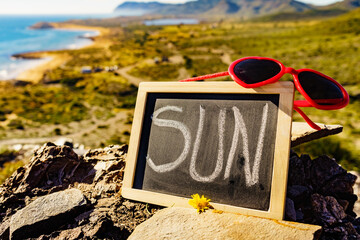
x: 308, y: 102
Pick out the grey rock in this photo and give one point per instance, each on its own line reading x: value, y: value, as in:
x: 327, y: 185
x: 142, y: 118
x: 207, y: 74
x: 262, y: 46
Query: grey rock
x: 298, y: 193
x: 185, y: 223
x: 327, y: 210
x: 5, y: 229
x: 290, y: 213
x: 324, y: 169
x: 46, y: 214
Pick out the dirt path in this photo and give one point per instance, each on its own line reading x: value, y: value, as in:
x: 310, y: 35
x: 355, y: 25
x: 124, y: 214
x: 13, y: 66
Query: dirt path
x: 176, y: 59
x: 133, y: 80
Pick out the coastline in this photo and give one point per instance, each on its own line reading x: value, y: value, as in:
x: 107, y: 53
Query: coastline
x: 55, y: 59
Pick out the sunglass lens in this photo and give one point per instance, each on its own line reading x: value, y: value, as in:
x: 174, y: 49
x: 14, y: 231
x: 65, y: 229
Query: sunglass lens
x: 322, y: 90
x: 256, y: 70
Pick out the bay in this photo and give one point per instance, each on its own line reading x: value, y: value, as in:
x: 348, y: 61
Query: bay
x: 16, y: 37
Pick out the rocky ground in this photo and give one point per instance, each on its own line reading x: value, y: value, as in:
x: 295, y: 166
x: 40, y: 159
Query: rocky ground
x: 321, y: 192
x: 96, y: 210
x: 61, y: 195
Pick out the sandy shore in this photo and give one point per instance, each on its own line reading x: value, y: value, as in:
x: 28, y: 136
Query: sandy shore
x: 57, y: 58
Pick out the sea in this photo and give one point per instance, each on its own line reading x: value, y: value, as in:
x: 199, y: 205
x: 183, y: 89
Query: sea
x: 16, y: 37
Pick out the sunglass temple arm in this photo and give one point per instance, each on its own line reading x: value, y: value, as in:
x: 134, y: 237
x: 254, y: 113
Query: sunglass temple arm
x: 307, y: 119
x: 214, y: 75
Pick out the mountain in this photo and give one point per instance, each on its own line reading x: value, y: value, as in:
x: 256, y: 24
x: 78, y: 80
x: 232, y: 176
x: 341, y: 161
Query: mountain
x: 193, y: 7
x: 346, y: 4
x: 247, y: 8
x: 150, y: 6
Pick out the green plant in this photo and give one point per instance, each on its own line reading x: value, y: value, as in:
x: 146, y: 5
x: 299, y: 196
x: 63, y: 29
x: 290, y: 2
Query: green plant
x: 333, y: 147
x: 8, y: 169
x: 158, y: 72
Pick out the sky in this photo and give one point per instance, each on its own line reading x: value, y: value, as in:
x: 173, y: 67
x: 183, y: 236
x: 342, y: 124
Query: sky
x: 82, y: 6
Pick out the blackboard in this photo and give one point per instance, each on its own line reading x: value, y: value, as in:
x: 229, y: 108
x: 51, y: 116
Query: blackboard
x: 216, y: 139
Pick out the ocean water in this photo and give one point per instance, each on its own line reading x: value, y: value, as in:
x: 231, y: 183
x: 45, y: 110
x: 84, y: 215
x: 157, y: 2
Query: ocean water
x: 16, y: 37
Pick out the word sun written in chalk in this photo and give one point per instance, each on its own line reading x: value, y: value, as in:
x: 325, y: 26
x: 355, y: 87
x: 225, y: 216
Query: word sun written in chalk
x: 251, y: 176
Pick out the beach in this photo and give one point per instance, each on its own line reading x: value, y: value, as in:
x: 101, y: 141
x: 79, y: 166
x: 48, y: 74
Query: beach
x: 26, y: 53
x: 54, y: 59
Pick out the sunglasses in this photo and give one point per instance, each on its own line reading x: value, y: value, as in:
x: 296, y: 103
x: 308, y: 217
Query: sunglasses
x: 320, y: 91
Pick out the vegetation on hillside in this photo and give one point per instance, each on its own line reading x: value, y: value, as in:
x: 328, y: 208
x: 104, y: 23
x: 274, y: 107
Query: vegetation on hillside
x: 66, y: 95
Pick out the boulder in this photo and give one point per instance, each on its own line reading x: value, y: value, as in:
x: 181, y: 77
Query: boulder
x: 46, y: 214
x: 184, y: 223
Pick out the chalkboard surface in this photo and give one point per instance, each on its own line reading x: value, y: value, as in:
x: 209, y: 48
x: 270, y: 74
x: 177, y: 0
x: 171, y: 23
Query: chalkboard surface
x: 218, y: 144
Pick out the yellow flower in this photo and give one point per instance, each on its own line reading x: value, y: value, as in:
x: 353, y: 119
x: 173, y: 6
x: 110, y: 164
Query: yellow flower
x: 200, y: 203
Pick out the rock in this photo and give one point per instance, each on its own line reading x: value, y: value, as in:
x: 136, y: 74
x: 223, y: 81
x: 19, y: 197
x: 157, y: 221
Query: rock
x: 51, y: 169
x: 290, y: 211
x: 341, y: 187
x: 327, y: 210
x: 342, y: 231
x: 356, y: 192
x: 98, y: 175
x: 299, y: 194
x: 42, y: 25
x: 70, y: 234
x: 301, y: 132
x: 322, y: 193
x: 324, y: 169
x: 5, y: 229
x: 46, y: 214
x: 299, y: 170
x: 184, y: 223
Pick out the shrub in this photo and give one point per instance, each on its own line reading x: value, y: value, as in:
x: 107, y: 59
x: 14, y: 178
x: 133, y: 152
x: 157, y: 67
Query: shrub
x: 8, y: 169
x: 16, y: 124
x: 333, y: 147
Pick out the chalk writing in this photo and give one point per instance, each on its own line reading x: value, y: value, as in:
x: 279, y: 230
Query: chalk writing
x: 251, y: 177
x: 174, y: 124
x: 219, y: 162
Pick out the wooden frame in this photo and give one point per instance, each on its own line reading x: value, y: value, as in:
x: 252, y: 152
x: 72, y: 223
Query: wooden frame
x: 282, y: 143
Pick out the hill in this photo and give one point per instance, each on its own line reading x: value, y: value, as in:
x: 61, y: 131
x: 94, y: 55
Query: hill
x: 243, y: 8
x: 346, y: 4
x: 346, y: 23
x: 309, y: 14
